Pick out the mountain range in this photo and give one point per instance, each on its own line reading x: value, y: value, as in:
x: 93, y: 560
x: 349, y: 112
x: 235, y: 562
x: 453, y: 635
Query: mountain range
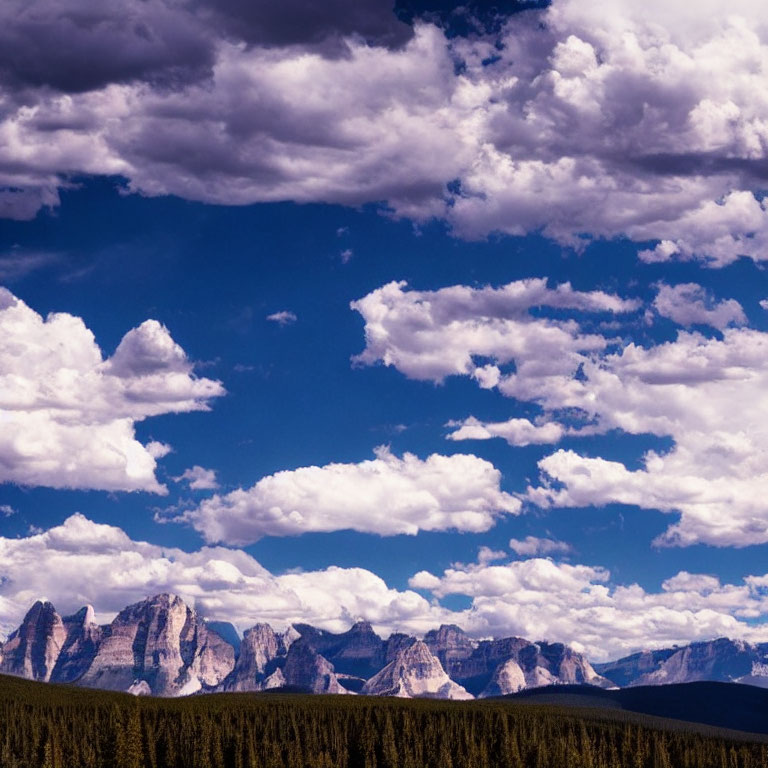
x: 161, y: 646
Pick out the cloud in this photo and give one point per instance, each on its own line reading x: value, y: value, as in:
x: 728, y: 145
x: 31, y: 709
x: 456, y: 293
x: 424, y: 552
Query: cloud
x: 540, y: 599
x: 686, y: 390
x: 16, y: 263
x: 282, y: 318
x: 689, y: 304
x: 517, y: 432
x: 6, y: 510
x: 88, y: 562
x: 689, y: 389
x: 74, y: 46
x: 68, y: 414
x: 531, y: 545
x: 158, y: 450
x: 428, y: 335
x: 582, y: 123
x: 387, y: 496
x: 324, y: 26
x: 199, y: 479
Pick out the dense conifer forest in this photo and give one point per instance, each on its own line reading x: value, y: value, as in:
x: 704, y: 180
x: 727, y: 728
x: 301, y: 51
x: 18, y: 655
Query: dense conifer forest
x: 60, y: 727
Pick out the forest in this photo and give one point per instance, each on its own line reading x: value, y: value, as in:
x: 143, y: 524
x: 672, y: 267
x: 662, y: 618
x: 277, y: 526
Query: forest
x: 50, y: 726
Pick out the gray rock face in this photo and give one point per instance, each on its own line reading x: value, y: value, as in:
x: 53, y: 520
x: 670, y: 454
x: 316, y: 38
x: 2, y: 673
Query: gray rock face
x: 32, y: 650
x: 306, y: 668
x: 80, y: 647
x: 359, y: 652
x: 718, y: 660
x: 163, y: 642
x: 451, y: 645
x: 413, y: 673
x: 261, y: 650
x: 396, y: 643
x: 507, y: 678
x: 623, y: 671
x: 507, y: 665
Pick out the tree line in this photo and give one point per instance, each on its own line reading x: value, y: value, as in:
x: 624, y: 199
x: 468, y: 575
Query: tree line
x: 49, y: 726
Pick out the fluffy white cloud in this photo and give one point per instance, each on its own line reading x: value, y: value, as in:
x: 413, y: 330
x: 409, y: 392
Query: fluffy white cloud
x: 86, y: 562
x: 644, y: 122
x: 538, y: 598
x: 690, y: 304
x: 429, y: 335
x: 67, y: 415
x: 517, y: 432
x: 387, y: 495
x: 692, y: 390
x: 532, y: 545
x: 94, y: 563
x: 199, y: 478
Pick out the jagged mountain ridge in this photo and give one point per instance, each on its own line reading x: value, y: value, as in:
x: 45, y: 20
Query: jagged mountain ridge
x: 720, y: 660
x: 161, y: 646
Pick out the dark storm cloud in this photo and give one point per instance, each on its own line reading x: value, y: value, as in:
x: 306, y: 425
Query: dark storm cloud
x: 320, y: 25
x: 79, y: 45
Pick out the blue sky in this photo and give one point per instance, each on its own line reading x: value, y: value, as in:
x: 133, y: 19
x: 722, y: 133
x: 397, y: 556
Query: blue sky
x: 656, y: 346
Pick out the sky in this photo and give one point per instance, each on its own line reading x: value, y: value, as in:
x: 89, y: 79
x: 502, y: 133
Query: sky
x: 419, y: 315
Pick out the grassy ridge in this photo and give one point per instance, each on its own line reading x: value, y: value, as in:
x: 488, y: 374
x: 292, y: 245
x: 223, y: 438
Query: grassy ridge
x: 62, y: 727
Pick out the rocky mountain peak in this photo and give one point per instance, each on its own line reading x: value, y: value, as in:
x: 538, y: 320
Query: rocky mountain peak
x: 32, y: 650
x: 80, y: 646
x: 162, y: 641
x: 306, y: 668
x: 260, y: 648
x: 415, y: 672
x: 362, y: 627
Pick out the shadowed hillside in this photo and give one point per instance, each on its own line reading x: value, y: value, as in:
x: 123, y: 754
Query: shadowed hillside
x: 725, y: 705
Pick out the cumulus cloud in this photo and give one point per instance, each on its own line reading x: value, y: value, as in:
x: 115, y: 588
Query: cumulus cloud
x: 532, y: 545
x: 68, y: 414
x: 199, y: 479
x: 536, y: 598
x: 692, y: 390
x: 158, y: 450
x: 517, y: 432
x: 284, y: 317
x: 88, y: 562
x: 387, y: 495
x: 689, y: 304
x: 429, y: 335
x: 6, y: 510
x: 582, y: 122
x: 577, y: 604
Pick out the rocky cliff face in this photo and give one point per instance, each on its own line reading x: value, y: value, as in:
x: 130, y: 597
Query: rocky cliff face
x: 306, y: 668
x: 163, y: 642
x: 719, y: 660
x: 261, y: 650
x: 359, y: 652
x: 415, y: 672
x: 623, y: 671
x: 80, y: 646
x: 33, y: 649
